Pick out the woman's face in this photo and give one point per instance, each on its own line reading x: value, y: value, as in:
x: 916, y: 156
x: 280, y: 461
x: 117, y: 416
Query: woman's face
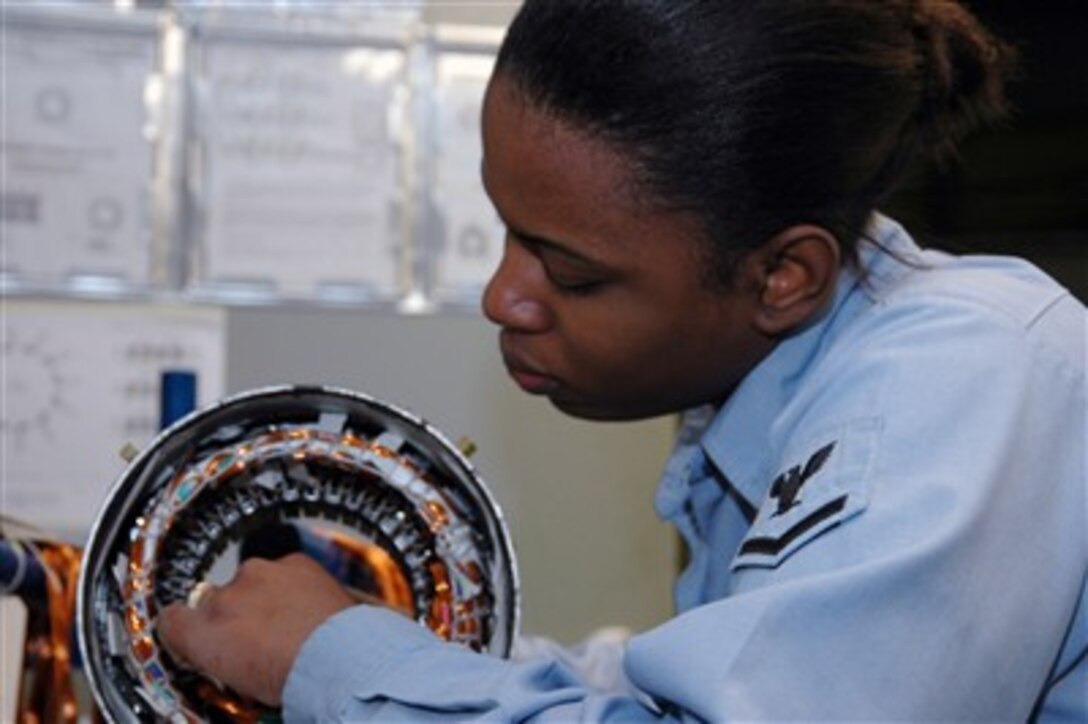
x: 602, y: 301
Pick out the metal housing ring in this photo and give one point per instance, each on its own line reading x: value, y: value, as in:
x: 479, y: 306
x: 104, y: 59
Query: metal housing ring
x: 377, y: 495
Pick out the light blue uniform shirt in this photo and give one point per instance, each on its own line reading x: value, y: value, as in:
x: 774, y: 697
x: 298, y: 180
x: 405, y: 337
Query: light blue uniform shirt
x: 887, y: 521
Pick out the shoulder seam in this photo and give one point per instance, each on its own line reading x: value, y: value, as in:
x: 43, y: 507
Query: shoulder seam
x: 995, y: 311
x: 1047, y: 307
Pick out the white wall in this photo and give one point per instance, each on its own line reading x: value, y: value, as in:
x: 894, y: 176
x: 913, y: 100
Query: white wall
x: 485, y: 12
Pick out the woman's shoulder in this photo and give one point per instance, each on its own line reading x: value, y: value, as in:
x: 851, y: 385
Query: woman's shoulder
x: 943, y: 330
x: 919, y: 298
x: 899, y: 276
x: 1007, y: 288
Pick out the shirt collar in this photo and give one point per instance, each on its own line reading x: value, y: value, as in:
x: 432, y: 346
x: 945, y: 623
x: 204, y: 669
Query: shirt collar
x: 736, y: 440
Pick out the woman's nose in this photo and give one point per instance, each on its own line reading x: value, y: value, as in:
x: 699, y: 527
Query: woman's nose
x: 513, y: 297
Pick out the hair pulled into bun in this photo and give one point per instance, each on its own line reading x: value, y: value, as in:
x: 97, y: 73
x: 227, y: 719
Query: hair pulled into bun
x: 964, y: 70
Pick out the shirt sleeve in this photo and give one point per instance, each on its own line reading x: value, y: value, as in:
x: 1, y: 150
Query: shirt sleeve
x: 370, y: 663
x: 597, y: 660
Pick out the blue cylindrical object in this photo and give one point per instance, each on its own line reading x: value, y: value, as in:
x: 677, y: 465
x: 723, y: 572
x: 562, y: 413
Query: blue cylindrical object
x: 20, y: 573
x: 177, y: 396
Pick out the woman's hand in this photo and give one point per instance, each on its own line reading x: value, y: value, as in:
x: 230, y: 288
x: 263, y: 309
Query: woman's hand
x: 247, y: 634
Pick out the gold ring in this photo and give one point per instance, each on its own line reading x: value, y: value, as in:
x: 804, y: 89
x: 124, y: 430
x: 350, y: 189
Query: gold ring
x: 199, y: 594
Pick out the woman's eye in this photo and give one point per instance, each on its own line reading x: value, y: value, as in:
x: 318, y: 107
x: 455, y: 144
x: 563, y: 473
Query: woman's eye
x: 566, y: 274
x: 579, y: 287
x: 571, y: 283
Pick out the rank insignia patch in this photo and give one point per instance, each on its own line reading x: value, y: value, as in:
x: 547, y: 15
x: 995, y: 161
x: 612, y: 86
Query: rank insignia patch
x: 821, y: 483
x: 786, y: 486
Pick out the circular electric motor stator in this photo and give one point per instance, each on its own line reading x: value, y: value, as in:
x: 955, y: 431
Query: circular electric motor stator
x: 378, y: 496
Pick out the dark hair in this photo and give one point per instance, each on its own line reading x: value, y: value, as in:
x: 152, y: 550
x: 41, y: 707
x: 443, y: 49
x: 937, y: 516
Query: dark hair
x: 759, y: 114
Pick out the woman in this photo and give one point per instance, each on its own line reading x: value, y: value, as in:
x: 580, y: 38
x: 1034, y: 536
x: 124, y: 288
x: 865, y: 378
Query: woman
x: 881, y: 474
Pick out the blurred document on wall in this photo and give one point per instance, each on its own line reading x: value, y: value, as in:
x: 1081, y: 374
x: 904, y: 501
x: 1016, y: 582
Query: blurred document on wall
x: 466, y: 233
x: 76, y: 149
x: 81, y: 380
x: 300, y: 181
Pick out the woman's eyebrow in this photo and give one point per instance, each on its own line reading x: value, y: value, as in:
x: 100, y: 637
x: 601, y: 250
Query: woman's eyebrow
x: 553, y: 246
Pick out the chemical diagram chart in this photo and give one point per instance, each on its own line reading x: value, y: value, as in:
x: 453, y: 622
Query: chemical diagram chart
x: 79, y: 381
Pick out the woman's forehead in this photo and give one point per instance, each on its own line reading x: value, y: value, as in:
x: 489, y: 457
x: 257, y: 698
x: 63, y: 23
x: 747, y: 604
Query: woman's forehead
x: 549, y: 178
x: 533, y: 160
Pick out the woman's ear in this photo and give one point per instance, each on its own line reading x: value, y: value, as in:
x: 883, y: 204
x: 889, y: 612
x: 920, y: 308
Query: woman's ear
x: 799, y: 268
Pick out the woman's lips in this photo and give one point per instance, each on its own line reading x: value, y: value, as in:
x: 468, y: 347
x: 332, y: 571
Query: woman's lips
x: 533, y: 382
x: 524, y: 371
